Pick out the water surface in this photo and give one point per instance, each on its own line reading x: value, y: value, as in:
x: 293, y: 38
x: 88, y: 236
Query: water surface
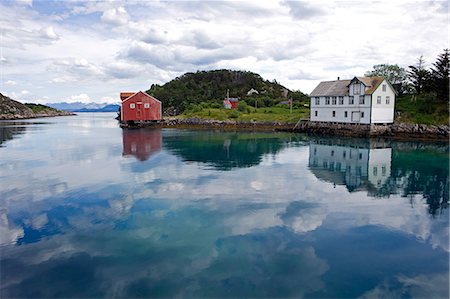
x: 89, y: 210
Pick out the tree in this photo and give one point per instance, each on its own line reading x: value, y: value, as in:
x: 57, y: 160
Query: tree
x: 440, y: 73
x: 420, y: 77
x: 393, y: 73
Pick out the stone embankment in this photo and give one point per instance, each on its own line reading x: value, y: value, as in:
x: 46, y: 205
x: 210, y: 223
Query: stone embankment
x: 400, y: 130
x: 198, y: 123
x: 404, y: 131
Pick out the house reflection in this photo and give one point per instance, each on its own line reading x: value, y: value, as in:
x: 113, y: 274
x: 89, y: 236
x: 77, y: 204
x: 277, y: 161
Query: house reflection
x: 360, y: 166
x: 141, y: 143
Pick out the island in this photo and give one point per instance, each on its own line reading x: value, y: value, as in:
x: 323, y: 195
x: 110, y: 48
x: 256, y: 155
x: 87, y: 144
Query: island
x: 13, y: 110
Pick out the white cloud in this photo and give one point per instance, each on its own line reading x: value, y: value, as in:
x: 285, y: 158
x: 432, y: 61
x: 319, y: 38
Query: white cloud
x: 115, y: 16
x: 49, y: 33
x: 11, y: 82
x: 83, y: 98
x: 105, y: 46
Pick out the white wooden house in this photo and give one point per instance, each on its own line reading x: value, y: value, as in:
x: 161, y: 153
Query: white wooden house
x: 364, y: 100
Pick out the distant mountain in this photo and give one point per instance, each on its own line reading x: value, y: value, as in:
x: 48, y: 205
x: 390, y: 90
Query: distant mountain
x: 85, y: 107
x: 205, y: 86
x: 107, y: 108
x: 11, y: 109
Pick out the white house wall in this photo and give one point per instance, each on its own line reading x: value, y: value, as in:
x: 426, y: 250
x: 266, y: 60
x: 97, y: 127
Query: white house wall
x: 325, y: 112
x: 383, y: 113
x: 352, y: 162
x: 379, y: 166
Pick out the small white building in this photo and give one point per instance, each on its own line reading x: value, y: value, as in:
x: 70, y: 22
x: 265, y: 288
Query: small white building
x: 363, y: 100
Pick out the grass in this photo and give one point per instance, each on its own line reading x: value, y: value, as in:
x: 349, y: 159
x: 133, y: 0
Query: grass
x: 423, y: 109
x: 272, y: 114
x: 38, y: 108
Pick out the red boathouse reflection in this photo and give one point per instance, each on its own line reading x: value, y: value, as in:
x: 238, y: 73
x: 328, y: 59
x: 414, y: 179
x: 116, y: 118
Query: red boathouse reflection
x: 141, y: 143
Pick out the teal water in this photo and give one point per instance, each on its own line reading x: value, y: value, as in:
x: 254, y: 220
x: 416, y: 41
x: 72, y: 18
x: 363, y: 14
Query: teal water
x: 89, y: 210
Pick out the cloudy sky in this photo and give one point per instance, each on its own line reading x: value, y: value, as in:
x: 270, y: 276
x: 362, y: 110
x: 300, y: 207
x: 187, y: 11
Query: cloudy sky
x: 89, y: 51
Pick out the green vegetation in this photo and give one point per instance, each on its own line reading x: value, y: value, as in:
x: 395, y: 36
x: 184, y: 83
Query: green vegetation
x: 423, y: 94
x: 422, y: 109
x: 280, y: 113
x: 38, y: 108
x: 212, y: 86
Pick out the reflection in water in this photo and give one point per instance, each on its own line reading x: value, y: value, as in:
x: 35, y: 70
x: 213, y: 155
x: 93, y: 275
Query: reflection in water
x: 358, y: 167
x: 79, y: 220
x: 384, y: 168
x: 8, y: 131
x: 224, y: 151
x: 141, y: 143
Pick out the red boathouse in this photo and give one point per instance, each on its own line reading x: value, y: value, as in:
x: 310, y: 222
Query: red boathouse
x: 139, y: 106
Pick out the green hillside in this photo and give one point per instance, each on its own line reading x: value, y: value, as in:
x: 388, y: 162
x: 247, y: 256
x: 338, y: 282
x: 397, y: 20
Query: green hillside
x: 211, y: 86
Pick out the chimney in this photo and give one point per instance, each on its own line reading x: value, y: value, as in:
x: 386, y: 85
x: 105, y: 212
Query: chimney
x: 338, y: 78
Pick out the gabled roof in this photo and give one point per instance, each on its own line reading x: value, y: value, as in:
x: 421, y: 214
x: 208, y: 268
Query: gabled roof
x: 331, y: 88
x: 125, y: 95
x: 371, y: 82
x: 340, y: 87
x: 146, y: 94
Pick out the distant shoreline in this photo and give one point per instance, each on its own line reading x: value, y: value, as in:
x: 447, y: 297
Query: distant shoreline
x: 22, y: 117
x: 396, y: 131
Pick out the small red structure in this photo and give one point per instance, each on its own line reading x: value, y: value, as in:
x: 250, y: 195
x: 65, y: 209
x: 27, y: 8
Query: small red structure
x: 139, y: 106
x: 141, y: 143
x: 231, y: 103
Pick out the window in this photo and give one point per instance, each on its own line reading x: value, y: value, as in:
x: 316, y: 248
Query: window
x: 334, y: 113
x: 315, y: 113
x: 351, y: 101
x: 356, y: 89
x: 384, y: 87
x: 383, y: 170
x: 378, y: 99
x: 344, y: 154
x: 147, y: 105
x: 332, y: 153
x: 361, y: 100
x: 341, y: 100
x: 317, y: 101
x: 375, y: 171
x: 388, y: 100
x: 360, y: 156
x: 327, y: 100
x: 362, y: 114
x: 132, y: 105
x: 333, y: 99
x: 345, y: 114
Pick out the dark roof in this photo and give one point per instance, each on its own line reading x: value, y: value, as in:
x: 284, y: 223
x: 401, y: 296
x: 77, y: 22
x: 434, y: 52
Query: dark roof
x: 331, y: 88
x: 340, y: 87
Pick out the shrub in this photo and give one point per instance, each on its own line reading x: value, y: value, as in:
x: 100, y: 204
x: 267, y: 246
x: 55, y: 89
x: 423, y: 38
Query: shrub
x: 234, y: 114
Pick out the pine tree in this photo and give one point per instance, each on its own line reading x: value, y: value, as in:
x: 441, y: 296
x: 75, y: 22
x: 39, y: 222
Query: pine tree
x: 440, y: 74
x: 420, y: 77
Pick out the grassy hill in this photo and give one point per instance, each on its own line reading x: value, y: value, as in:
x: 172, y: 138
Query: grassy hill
x: 211, y: 86
x: 421, y: 109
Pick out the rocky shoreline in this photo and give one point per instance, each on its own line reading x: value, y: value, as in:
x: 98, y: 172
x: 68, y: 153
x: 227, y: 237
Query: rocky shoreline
x: 400, y: 131
x: 198, y: 123
x: 396, y: 130
x: 14, y: 110
x: 34, y: 115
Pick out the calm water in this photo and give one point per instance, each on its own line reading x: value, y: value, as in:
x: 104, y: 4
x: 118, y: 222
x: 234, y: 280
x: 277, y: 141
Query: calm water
x: 91, y: 210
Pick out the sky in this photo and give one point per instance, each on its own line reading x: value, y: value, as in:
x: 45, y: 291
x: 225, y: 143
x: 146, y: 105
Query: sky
x: 90, y: 51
